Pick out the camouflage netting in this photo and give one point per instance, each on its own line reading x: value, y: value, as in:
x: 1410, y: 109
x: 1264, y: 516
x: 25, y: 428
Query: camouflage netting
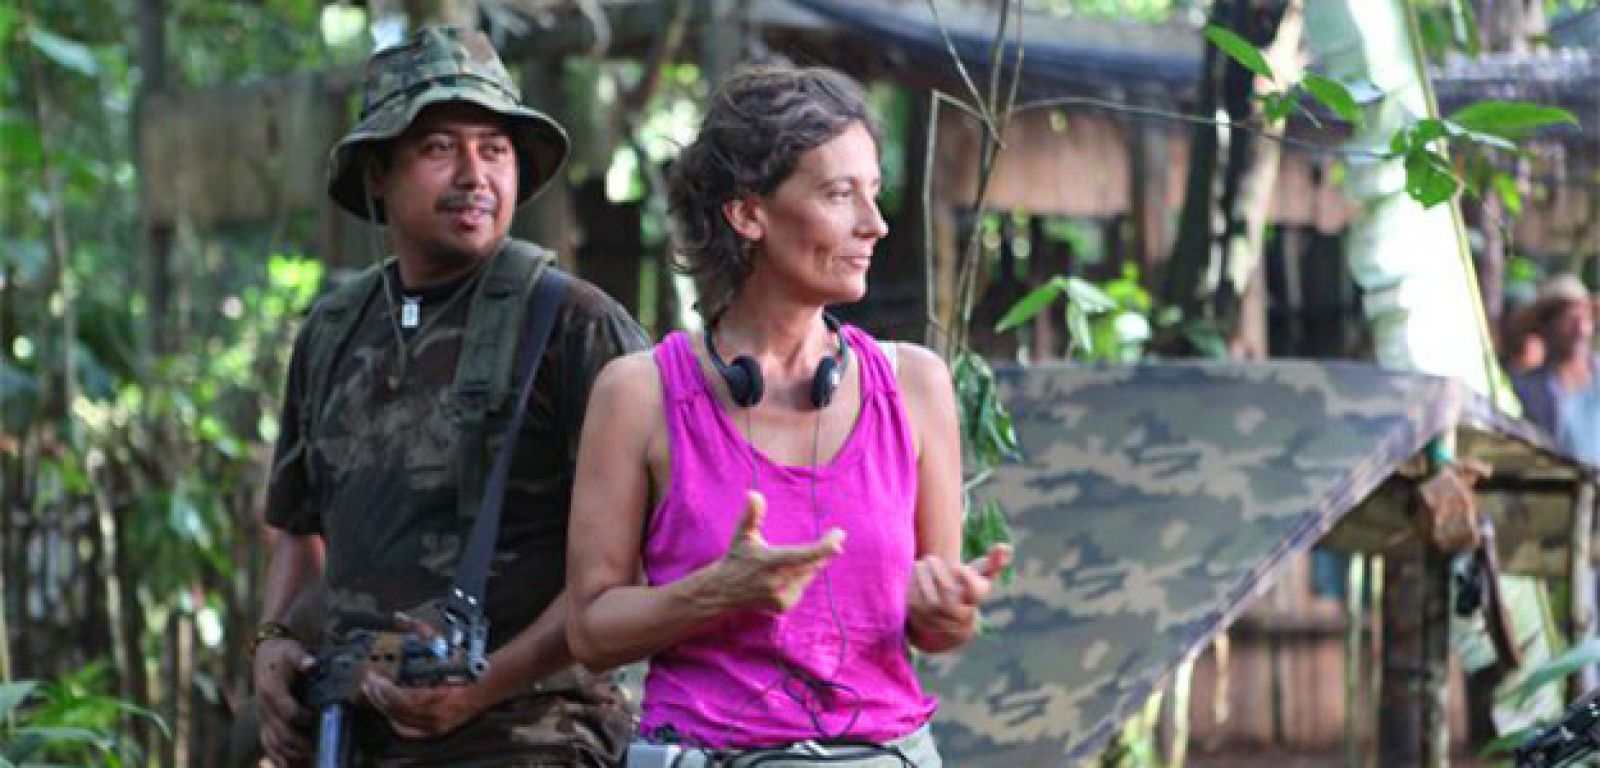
x: 1153, y: 502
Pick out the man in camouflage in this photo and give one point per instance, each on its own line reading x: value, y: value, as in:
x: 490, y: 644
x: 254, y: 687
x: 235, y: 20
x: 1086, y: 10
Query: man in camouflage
x: 366, y: 489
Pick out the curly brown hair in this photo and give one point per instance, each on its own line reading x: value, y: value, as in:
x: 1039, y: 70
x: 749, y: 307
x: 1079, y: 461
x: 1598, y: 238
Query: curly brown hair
x: 759, y: 122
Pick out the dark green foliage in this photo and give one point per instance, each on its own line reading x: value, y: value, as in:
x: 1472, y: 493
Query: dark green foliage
x: 68, y: 722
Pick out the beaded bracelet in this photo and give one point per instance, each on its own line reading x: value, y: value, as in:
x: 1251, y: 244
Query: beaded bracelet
x: 269, y: 630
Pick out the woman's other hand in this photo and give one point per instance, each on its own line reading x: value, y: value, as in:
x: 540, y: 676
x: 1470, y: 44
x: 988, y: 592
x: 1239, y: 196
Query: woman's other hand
x: 942, y: 607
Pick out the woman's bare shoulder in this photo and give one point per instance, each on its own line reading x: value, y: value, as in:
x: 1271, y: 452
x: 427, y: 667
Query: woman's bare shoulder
x: 921, y: 370
x: 629, y: 382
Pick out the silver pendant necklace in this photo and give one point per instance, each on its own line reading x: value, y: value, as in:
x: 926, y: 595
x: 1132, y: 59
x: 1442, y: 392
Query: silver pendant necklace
x: 410, y: 312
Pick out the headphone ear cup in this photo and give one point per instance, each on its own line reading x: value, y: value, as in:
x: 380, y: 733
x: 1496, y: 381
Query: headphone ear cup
x: 744, y: 381
x: 825, y: 382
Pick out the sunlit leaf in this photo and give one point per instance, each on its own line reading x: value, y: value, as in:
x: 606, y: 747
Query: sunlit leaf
x: 1030, y: 305
x: 1332, y: 94
x: 1430, y: 179
x: 1479, y: 137
x: 1240, y: 50
x: 1080, y: 334
x: 1087, y: 295
x: 1510, y: 119
x: 65, y: 52
x: 1505, y: 185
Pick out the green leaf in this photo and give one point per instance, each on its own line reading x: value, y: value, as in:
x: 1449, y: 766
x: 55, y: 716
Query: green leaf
x: 1505, y: 185
x: 1430, y: 179
x: 1087, y: 295
x: 1240, y: 50
x: 1332, y: 94
x: 1030, y: 305
x: 1558, y: 668
x: 13, y: 694
x: 1203, y: 336
x: 20, y: 137
x: 1079, y: 333
x: 66, y: 52
x: 1428, y: 129
x: 1490, y: 140
x: 1508, y: 742
x: 1510, y: 119
x: 1276, y: 106
x: 65, y: 735
x: 8, y: 21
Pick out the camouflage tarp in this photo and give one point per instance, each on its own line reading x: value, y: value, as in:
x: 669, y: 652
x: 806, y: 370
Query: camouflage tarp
x: 1150, y: 505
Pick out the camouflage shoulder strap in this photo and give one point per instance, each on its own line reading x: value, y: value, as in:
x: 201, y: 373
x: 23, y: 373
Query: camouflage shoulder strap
x: 330, y: 324
x: 494, y: 322
x: 488, y: 352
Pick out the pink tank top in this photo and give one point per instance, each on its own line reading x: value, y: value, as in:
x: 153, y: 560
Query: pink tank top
x: 836, y: 665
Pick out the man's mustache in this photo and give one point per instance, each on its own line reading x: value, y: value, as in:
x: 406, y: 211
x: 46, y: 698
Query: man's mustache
x: 454, y: 201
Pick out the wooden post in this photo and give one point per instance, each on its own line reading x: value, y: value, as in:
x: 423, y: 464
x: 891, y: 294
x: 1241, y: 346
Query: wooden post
x: 1436, y: 659
x: 1355, y: 588
x: 1581, y: 574
x: 1412, y: 730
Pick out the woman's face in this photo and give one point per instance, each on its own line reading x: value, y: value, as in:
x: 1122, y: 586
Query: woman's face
x: 816, y: 231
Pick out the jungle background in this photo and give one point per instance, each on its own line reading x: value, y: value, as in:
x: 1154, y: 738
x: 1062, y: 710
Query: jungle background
x: 163, y: 228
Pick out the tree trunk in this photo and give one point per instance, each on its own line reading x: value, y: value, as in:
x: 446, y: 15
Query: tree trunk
x: 1230, y: 178
x: 549, y: 218
x: 1240, y: 300
x: 1191, y: 251
x: 158, y: 236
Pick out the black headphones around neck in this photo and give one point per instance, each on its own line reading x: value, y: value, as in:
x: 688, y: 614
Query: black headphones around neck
x: 743, y: 376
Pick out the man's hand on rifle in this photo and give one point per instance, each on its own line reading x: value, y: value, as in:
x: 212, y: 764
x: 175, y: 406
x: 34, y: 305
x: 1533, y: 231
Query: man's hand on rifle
x: 285, y: 725
x: 417, y: 713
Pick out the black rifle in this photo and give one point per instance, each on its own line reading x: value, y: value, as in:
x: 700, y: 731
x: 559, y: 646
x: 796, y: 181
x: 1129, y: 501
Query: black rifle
x: 453, y: 650
x: 1575, y: 735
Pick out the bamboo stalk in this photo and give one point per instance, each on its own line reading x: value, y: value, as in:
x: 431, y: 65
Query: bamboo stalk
x: 183, y: 692
x: 1221, y: 702
x: 1354, y: 587
x: 1182, y: 687
x: 1581, y: 578
x: 106, y: 530
x: 1375, y: 629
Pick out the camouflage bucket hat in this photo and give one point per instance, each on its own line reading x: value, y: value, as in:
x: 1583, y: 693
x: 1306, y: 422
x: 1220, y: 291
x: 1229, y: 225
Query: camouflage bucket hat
x: 434, y: 65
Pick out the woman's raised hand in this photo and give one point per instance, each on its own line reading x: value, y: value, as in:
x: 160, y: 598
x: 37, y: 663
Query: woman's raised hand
x: 942, y: 607
x: 755, y: 574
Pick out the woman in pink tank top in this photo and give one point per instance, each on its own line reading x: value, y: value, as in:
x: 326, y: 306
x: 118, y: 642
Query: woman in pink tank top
x: 770, y: 512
